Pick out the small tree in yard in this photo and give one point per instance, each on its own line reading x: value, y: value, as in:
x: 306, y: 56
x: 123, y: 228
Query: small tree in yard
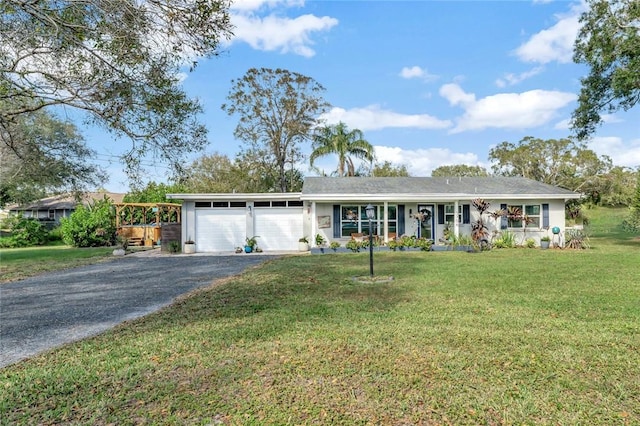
x: 25, y: 231
x: 90, y: 226
x: 632, y: 222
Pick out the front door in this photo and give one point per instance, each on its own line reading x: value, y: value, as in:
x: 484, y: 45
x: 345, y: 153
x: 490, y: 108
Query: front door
x: 426, y: 226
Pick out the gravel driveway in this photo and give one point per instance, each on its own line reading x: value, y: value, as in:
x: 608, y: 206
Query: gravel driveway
x: 40, y: 313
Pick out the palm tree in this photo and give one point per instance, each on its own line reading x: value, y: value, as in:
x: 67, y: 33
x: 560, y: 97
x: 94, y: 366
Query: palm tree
x: 337, y: 139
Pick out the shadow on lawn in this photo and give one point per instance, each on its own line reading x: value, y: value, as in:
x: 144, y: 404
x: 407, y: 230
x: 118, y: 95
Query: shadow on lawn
x: 271, y: 299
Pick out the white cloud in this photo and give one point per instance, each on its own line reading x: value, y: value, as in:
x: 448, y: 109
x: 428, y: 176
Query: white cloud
x: 456, y: 96
x: 563, y: 124
x: 372, y: 117
x: 622, y: 153
x: 554, y: 43
x: 421, y: 162
x: 505, y: 110
x: 417, y: 72
x: 286, y: 35
x: 510, y: 79
x: 253, y: 5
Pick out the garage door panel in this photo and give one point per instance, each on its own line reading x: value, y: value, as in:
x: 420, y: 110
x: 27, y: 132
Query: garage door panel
x: 278, y: 229
x: 220, y: 229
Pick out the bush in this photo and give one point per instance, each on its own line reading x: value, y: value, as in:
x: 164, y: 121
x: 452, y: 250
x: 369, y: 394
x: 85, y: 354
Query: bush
x: 90, y: 226
x: 25, y: 231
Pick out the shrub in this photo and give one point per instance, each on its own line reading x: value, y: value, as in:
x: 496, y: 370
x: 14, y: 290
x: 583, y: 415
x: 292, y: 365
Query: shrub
x: 530, y: 243
x: 334, y: 245
x: 90, y: 226
x: 353, y: 245
x: 25, y: 231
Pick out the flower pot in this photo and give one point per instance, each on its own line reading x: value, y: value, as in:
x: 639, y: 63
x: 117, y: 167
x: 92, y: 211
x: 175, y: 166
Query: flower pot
x: 544, y: 244
x: 303, y: 246
x: 189, y: 248
x: 248, y: 249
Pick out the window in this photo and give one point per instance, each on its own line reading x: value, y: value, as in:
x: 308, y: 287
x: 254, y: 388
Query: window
x: 527, y: 215
x: 203, y: 204
x: 219, y: 204
x: 449, y: 213
x: 353, y: 219
x: 52, y: 214
x: 237, y: 204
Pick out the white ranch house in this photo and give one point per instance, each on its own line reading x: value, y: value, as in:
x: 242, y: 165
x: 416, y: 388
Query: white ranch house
x: 334, y: 208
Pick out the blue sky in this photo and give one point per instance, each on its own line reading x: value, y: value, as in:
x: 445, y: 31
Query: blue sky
x: 429, y: 83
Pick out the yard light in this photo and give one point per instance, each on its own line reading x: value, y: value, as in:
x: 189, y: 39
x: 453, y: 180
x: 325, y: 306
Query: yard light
x: 370, y: 215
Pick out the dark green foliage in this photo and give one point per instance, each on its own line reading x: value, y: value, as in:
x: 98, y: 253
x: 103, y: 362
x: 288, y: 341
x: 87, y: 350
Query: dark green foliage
x: 609, y: 44
x: 90, y: 226
x: 153, y: 193
x: 387, y: 169
x: 25, y: 231
x: 41, y: 155
x: 459, y: 170
x: 632, y: 222
x: 117, y: 61
x: 344, y: 143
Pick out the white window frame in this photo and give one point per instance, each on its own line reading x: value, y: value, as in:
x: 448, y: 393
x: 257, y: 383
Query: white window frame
x: 525, y: 208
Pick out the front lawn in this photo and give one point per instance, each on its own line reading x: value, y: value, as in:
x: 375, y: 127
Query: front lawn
x: 20, y: 263
x: 519, y: 336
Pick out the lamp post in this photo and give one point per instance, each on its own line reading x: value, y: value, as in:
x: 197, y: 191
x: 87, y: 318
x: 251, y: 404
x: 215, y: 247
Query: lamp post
x: 370, y: 215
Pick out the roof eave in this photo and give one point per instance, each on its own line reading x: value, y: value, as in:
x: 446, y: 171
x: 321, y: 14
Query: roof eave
x: 435, y: 197
x: 236, y: 196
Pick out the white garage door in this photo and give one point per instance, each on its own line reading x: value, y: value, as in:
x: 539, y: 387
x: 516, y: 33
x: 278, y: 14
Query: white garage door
x: 278, y: 228
x: 220, y: 229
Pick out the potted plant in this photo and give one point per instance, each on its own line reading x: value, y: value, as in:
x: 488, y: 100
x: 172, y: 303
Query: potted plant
x: 303, y: 244
x: 334, y: 245
x: 544, y: 242
x: 189, y: 246
x: 121, y: 246
x: 250, y: 244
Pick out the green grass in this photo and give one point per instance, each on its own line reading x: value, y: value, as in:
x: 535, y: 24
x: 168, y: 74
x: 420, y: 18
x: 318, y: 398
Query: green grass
x: 512, y: 336
x: 24, y: 262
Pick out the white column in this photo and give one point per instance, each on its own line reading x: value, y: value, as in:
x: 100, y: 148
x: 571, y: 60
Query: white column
x: 456, y: 222
x: 385, y: 225
x: 314, y: 223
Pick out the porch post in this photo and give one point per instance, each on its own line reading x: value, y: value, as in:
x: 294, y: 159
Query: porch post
x: 456, y: 222
x: 314, y: 223
x: 385, y: 223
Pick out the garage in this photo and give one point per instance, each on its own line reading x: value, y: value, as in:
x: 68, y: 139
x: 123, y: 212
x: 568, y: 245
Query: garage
x: 279, y: 228
x: 220, y: 229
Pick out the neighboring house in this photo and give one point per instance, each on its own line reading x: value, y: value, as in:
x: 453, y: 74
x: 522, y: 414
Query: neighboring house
x: 52, y: 209
x: 335, y: 208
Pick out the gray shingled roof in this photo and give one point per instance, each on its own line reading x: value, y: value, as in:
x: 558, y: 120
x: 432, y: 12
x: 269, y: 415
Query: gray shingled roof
x: 66, y: 201
x: 434, y: 187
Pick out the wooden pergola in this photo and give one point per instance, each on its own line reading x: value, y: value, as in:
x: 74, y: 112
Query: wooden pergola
x: 141, y: 223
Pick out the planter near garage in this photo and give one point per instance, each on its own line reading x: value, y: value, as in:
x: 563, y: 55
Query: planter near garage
x: 189, y: 247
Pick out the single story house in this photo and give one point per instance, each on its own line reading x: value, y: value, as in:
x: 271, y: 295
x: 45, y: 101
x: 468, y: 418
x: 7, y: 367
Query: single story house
x: 335, y: 208
x: 52, y: 209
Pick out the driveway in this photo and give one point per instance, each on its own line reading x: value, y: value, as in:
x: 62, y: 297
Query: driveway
x: 40, y: 313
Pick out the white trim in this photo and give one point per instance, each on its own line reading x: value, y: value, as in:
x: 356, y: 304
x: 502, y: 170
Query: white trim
x: 238, y: 196
x: 436, y: 198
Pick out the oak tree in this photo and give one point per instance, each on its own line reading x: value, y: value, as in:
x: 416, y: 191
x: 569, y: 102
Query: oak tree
x: 459, y: 170
x: 119, y: 61
x: 560, y: 162
x: 277, y: 110
x: 609, y: 44
x: 44, y: 155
